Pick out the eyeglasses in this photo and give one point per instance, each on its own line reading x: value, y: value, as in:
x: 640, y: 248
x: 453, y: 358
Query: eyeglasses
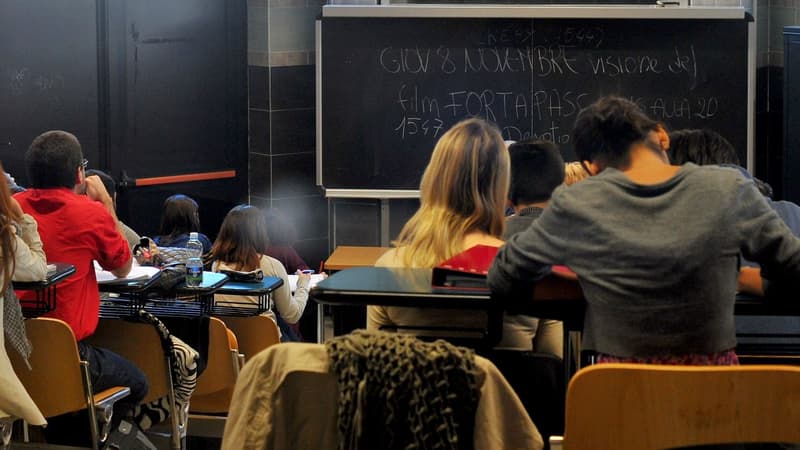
x: 84, y: 163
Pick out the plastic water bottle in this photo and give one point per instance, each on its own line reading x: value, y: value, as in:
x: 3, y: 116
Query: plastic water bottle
x: 194, y: 262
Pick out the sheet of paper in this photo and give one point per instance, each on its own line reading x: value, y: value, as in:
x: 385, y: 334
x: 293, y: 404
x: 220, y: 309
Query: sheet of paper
x: 136, y: 272
x: 315, y: 278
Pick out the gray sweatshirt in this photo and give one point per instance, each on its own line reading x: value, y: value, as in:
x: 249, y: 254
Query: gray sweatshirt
x: 658, y: 264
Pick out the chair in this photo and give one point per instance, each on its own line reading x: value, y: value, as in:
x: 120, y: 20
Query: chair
x: 141, y: 344
x: 285, y: 397
x: 641, y: 407
x: 253, y: 333
x: 59, y: 381
x: 212, y: 397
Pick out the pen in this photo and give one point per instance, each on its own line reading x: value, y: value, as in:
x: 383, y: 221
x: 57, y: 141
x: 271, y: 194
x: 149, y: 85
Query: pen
x: 307, y: 271
x: 665, y: 3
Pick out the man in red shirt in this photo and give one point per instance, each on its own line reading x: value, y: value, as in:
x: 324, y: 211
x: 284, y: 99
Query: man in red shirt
x: 80, y: 229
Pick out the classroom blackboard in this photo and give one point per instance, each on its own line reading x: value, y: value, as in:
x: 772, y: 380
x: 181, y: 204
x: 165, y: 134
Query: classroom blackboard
x: 390, y: 87
x: 48, y: 75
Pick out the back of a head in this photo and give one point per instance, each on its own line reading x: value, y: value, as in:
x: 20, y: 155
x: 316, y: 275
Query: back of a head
x: 52, y: 160
x: 108, y: 182
x: 179, y: 216
x: 537, y: 168
x: 574, y: 172
x: 701, y: 147
x: 242, y: 237
x: 606, y: 130
x: 468, y: 174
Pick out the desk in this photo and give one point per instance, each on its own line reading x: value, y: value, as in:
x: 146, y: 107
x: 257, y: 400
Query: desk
x: 261, y: 289
x: 45, y: 299
x: 144, y: 294
x: 345, y: 257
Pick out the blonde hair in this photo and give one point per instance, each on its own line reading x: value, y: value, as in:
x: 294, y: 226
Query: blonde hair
x: 463, y: 190
x: 574, y: 172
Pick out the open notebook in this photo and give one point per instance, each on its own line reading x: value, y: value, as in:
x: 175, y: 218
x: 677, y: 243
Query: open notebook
x: 137, y: 273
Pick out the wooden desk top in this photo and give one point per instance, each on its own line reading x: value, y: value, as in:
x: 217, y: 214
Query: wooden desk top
x: 345, y: 257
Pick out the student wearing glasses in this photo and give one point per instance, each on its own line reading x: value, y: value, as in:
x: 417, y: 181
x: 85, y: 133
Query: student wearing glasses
x: 655, y: 246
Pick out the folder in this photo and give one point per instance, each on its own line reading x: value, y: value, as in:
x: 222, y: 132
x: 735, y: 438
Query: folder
x: 466, y: 270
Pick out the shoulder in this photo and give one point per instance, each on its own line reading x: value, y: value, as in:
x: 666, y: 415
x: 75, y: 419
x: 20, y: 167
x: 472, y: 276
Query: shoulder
x: 271, y: 266
x: 392, y: 258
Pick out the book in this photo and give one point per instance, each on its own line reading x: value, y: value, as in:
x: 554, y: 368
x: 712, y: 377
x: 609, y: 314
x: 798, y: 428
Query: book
x: 466, y: 270
x: 137, y: 273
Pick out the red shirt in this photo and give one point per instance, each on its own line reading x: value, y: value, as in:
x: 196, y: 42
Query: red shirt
x: 76, y: 230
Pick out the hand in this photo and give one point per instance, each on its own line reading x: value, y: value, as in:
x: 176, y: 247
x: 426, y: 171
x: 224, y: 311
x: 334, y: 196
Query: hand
x: 303, y: 276
x: 96, y: 191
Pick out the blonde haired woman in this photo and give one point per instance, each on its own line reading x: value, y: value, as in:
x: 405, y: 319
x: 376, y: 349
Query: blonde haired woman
x: 463, y: 194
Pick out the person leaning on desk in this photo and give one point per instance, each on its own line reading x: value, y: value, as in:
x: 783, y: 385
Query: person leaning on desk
x: 654, y: 246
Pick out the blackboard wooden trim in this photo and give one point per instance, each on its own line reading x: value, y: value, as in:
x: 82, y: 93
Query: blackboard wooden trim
x: 371, y: 193
x: 527, y: 11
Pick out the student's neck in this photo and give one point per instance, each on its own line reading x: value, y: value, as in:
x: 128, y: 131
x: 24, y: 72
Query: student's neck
x: 648, y: 166
x: 520, y: 207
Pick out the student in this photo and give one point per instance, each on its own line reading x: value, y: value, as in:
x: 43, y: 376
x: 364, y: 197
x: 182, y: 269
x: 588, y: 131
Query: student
x: 281, y: 240
x: 574, y: 172
x: 131, y: 236
x: 240, y: 246
x: 23, y: 259
x: 536, y: 170
x: 704, y: 147
x: 463, y: 194
x: 654, y: 245
x: 180, y: 217
x: 79, y: 229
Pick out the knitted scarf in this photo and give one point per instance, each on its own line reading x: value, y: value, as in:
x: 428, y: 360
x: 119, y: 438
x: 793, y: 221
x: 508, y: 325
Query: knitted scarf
x: 397, y: 392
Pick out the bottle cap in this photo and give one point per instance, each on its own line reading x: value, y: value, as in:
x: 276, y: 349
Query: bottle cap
x: 193, y: 235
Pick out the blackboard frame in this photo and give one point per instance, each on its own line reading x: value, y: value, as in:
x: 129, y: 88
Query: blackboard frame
x: 517, y: 12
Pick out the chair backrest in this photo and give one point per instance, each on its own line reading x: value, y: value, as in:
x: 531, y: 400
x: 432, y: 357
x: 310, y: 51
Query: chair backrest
x: 286, y: 397
x: 638, y: 406
x: 254, y: 333
x: 141, y: 344
x: 54, y: 381
x: 215, y: 384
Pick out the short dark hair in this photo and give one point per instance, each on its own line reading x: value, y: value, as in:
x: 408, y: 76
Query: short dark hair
x: 108, y: 182
x: 606, y: 130
x: 701, y: 147
x: 179, y: 216
x: 537, y: 168
x: 52, y: 160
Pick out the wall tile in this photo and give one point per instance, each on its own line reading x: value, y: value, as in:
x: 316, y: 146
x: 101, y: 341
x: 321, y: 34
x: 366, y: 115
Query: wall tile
x: 313, y: 251
x: 293, y: 131
x: 292, y: 28
x: 255, y: 4
x: 292, y: 87
x: 258, y: 87
x: 355, y: 222
x: 259, y: 131
x: 257, y: 29
x: 294, y: 175
x: 778, y: 18
x: 259, y: 176
x: 400, y: 211
x: 258, y: 58
x: 308, y: 214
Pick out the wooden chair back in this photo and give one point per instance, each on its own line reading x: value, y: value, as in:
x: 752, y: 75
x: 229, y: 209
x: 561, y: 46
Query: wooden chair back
x: 215, y: 384
x: 254, y: 333
x: 139, y: 343
x: 54, y: 381
x: 641, y: 407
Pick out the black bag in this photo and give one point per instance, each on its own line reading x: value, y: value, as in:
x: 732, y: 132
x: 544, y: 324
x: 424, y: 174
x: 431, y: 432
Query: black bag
x: 128, y: 437
x: 169, y: 278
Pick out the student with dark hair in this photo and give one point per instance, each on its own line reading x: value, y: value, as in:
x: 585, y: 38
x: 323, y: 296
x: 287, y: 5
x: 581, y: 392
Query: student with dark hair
x: 704, y: 147
x: 180, y: 216
x: 241, y: 246
x: 281, y: 242
x: 537, y: 168
x: 131, y: 236
x: 655, y: 246
x: 79, y: 229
